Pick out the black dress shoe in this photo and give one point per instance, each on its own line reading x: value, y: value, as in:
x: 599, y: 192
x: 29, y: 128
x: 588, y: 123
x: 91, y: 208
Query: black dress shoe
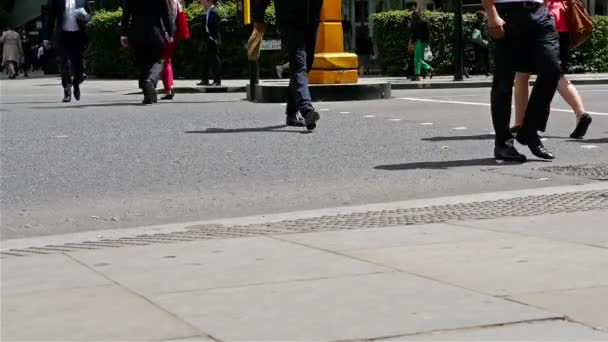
x: 415, y: 78
x: 515, y: 129
x: 311, y: 119
x: 541, y: 152
x: 77, y: 92
x: 508, y: 153
x: 581, y: 127
x: 294, y: 121
x: 216, y: 84
x: 169, y: 96
x: 67, y: 95
x: 203, y: 83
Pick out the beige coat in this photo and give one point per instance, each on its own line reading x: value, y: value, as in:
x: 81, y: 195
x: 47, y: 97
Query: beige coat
x: 12, y: 51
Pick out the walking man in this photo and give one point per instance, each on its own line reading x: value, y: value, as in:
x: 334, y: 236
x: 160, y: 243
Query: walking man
x: 524, y: 33
x: 69, y: 18
x: 299, y: 22
x: 212, y: 59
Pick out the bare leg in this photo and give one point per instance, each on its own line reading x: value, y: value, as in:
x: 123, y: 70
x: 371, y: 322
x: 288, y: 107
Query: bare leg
x: 521, y: 93
x: 568, y: 91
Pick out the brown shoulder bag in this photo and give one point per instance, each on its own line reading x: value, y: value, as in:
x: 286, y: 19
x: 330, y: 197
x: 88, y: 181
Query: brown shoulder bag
x: 580, y: 24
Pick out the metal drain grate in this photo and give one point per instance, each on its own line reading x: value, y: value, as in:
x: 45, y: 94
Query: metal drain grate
x: 597, y: 171
x: 521, y: 206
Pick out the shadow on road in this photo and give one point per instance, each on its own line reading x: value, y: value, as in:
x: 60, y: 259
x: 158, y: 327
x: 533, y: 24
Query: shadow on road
x: 246, y: 130
x: 444, y: 165
x: 474, y: 137
x: 591, y: 141
x: 124, y: 104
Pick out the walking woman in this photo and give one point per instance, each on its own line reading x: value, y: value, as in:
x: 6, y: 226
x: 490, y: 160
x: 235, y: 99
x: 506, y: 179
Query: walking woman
x: 175, y: 7
x: 12, y: 52
x: 565, y: 88
x: 420, y: 34
x: 143, y: 32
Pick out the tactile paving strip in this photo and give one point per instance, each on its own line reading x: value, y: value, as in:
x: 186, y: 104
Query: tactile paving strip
x: 519, y: 206
x: 597, y: 171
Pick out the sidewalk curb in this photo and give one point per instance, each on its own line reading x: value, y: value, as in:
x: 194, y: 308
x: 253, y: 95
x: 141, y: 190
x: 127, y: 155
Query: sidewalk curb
x: 20, y: 243
x: 394, y: 86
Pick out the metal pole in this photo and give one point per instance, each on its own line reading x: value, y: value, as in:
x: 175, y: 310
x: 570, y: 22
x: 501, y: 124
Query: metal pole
x: 254, y: 78
x: 458, y: 42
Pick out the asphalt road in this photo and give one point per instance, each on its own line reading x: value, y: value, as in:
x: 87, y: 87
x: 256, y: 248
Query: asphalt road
x: 107, y: 162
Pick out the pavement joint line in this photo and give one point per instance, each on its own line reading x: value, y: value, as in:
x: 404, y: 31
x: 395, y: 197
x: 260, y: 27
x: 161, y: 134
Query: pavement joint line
x: 396, y: 269
x: 136, y: 294
x: 488, y: 326
x: 135, y: 232
x: 301, y: 280
x: 482, y: 104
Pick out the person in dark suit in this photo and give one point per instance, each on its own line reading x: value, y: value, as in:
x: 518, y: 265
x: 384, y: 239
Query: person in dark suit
x: 299, y: 23
x: 66, y: 25
x: 146, y: 27
x: 212, y: 59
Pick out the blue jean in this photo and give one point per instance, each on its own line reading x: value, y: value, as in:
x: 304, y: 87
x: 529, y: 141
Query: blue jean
x: 301, y: 42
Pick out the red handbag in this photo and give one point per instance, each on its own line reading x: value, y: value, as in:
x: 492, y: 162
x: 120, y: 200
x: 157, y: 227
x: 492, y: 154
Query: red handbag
x: 183, y: 30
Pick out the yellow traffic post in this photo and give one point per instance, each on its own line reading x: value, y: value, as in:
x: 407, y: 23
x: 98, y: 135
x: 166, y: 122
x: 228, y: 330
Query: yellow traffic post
x: 332, y: 64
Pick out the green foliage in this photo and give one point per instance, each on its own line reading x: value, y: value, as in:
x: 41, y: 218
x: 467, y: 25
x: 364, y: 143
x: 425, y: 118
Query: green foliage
x: 105, y: 57
x: 391, y: 36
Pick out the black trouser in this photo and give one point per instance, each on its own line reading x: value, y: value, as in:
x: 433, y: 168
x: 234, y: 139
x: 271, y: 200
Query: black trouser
x: 482, y: 59
x: 301, y: 42
x: 530, y: 41
x: 213, y: 61
x: 149, y: 60
x: 71, y: 52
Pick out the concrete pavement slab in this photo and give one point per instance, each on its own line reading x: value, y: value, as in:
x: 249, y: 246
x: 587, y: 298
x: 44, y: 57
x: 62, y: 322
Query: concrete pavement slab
x: 558, y: 330
x: 106, y: 313
x: 218, y: 263
x: 589, y: 306
x: 580, y: 227
x: 501, y: 266
x: 46, y: 272
x: 391, y: 237
x: 351, y: 307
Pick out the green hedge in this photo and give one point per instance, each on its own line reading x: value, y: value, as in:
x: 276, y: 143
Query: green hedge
x: 391, y: 37
x: 106, y: 59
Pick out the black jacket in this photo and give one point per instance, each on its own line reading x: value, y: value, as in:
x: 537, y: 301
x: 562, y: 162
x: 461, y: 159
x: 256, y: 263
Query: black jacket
x: 56, y: 12
x: 141, y: 20
x: 213, y: 25
x: 297, y: 13
x: 420, y: 30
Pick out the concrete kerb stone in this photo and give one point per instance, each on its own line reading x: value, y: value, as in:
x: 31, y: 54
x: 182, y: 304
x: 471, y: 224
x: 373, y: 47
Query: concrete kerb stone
x: 6, y: 245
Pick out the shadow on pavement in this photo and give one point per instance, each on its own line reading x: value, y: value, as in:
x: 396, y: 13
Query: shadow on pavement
x: 123, y: 104
x: 475, y: 137
x: 591, y: 141
x: 443, y: 165
x: 246, y: 130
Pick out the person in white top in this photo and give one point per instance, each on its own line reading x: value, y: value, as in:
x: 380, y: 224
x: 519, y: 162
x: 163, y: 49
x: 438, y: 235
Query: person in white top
x: 66, y: 25
x: 524, y: 34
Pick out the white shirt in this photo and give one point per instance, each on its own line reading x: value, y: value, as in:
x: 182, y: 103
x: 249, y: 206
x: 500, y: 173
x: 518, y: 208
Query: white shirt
x: 69, y: 17
x: 207, y: 20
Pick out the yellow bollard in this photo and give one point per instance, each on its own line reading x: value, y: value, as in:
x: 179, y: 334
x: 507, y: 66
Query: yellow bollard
x: 332, y: 64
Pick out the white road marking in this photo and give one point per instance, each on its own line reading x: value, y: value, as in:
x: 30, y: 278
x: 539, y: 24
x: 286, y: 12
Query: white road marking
x: 61, y: 136
x: 369, y: 116
x: 481, y: 104
x: 589, y: 146
x: 543, y: 139
x: 395, y: 120
x: 426, y: 123
x: 344, y: 112
x: 324, y: 110
x: 459, y: 128
x: 543, y: 179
